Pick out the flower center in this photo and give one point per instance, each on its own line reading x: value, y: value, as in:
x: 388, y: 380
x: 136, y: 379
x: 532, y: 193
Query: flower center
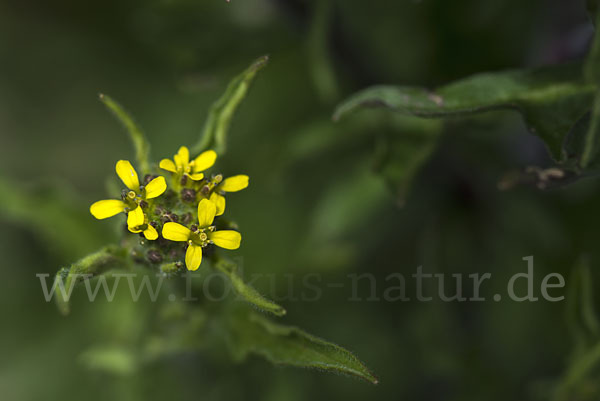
x: 131, y: 195
x: 200, y: 237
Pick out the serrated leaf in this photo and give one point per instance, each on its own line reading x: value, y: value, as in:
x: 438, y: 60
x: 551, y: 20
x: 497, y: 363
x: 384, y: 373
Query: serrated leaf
x: 246, y: 292
x: 86, y: 268
x: 136, y: 135
x: 214, y: 133
x: 551, y: 99
x: 251, y: 333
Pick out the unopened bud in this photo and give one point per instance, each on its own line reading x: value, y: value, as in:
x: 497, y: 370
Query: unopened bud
x: 154, y: 256
x: 188, y: 195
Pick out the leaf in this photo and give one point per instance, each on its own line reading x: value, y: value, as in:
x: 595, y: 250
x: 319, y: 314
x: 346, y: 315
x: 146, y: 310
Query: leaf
x: 592, y: 8
x: 51, y: 211
x: 252, y: 333
x: 86, y: 268
x: 248, y: 293
x: 214, y: 133
x: 592, y: 61
x: 551, y: 99
x: 402, y: 150
x: 581, y: 315
x: 115, y: 360
x: 320, y: 63
x: 140, y: 143
x: 591, y: 153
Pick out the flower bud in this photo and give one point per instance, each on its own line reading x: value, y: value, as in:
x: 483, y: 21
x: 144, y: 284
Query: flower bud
x: 188, y: 195
x: 154, y: 256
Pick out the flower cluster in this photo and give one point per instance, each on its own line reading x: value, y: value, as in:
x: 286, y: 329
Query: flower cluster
x: 185, y: 211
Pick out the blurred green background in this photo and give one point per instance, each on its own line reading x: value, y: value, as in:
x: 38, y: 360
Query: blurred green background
x: 316, y: 203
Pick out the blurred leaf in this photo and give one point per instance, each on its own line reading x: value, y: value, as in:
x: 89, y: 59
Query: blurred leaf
x: 319, y: 60
x: 247, y: 293
x: 140, y: 143
x: 214, y: 133
x: 110, y: 359
x: 591, y: 151
x: 51, y: 211
x: 251, y: 333
x: 578, y: 372
x: 93, y: 265
x: 581, y: 315
x: 348, y: 205
x: 551, y: 99
x: 403, y: 150
x: 592, y: 8
x: 592, y: 75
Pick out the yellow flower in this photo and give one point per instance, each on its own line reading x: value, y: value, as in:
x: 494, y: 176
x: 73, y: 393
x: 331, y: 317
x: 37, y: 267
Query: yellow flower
x: 202, y: 236
x: 107, y: 208
x: 181, y: 164
x: 231, y: 184
x: 137, y: 222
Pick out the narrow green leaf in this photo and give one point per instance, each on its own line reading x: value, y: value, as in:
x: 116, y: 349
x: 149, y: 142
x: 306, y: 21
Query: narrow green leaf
x: 592, y: 61
x: 551, y: 99
x: 320, y: 62
x: 214, y: 133
x: 251, y: 333
x: 52, y: 211
x: 582, y: 320
x: 591, y: 151
x: 86, y: 268
x: 247, y: 293
x: 579, y: 370
x: 592, y: 8
x: 119, y: 361
x: 140, y: 143
x: 403, y: 148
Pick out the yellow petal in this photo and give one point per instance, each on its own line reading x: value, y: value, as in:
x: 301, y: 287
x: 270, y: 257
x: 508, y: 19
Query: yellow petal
x: 178, y: 162
x: 156, y: 187
x: 175, y: 232
x: 167, y: 164
x: 184, y: 155
x: 206, y: 213
x: 107, y: 208
x: 227, y: 239
x: 193, y: 257
x: 150, y: 233
x: 127, y: 174
x: 135, y: 218
x: 196, y: 176
x: 134, y: 230
x: 219, y: 201
x: 205, y: 160
x: 235, y: 183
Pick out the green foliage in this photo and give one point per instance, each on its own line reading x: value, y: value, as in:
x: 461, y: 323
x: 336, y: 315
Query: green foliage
x: 591, y: 152
x: 322, y: 71
x: 110, y: 359
x: 53, y: 212
x: 251, y: 333
x: 214, y: 133
x: 91, y: 266
x: 551, y: 99
x: 136, y: 135
x: 246, y: 292
x: 584, y: 326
